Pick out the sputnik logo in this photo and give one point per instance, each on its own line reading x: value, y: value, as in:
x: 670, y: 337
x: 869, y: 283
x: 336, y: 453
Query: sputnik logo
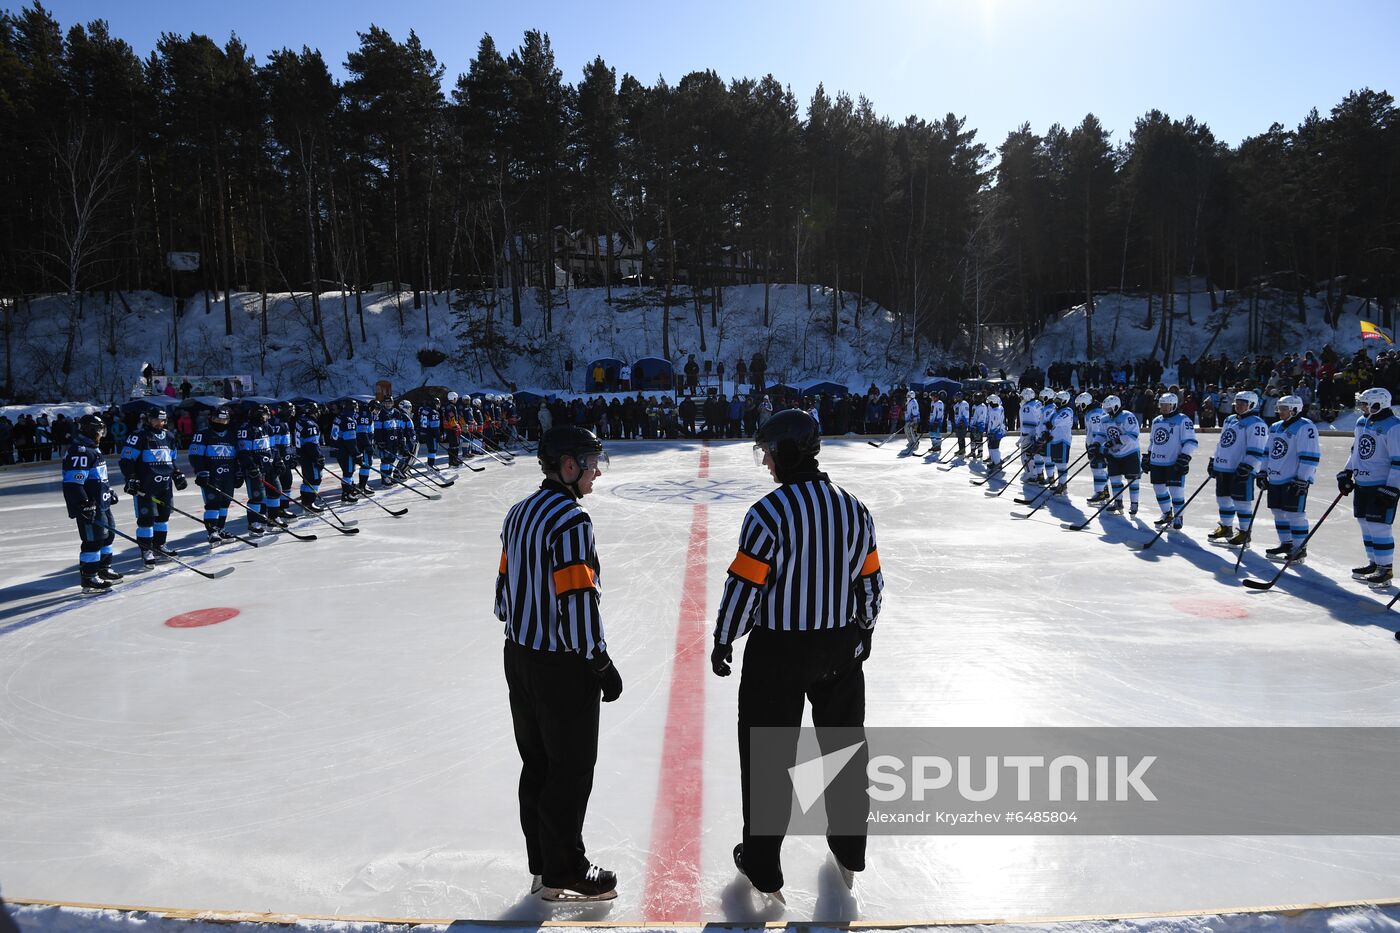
x: 810, y: 779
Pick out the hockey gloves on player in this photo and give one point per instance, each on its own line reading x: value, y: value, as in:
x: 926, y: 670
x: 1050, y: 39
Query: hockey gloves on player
x: 1346, y: 482
x: 1243, y: 470
x: 88, y: 510
x: 1388, y: 495
x: 1146, y: 462
x: 201, y: 479
x: 720, y: 656
x: 1262, y: 481
x: 179, y: 480
x: 608, y: 678
x: 111, y: 498
x: 1183, y: 464
x: 132, y: 487
x: 1299, y: 487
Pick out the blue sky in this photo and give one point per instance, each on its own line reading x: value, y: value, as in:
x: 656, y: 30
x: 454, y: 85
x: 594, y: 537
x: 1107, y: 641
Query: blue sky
x: 1237, y: 65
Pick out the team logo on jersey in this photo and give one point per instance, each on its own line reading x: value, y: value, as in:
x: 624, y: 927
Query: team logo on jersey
x: 1113, y: 435
x: 1227, y: 437
x: 1161, y: 436
x: 1279, y: 449
x: 1367, y: 447
x: 693, y: 491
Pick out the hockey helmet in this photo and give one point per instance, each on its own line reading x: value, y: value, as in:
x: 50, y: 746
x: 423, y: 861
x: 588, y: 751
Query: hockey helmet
x: 452, y: 396
x: 287, y: 409
x: 791, y: 437
x: 1167, y: 402
x: 1047, y: 394
x: 260, y: 413
x: 155, y: 414
x: 571, y: 441
x: 221, y: 416
x: 1112, y: 405
x: 994, y: 401
x: 405, y: 406
x: 310, y: 409
x: 476, y: 403
x: 92, y: 426
x: 1027, y: 394
x: 1294, y: 405
x: 1373, y: 401
x: 1250, y: 399
x: 1083, y: 400
x: 1062, y: 397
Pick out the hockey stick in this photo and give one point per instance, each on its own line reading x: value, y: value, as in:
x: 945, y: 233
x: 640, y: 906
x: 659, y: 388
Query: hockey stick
x: 1175, y: 515
x: 1245, y: 546
x: 266, y: 518
x: 404, y: 484
x: 1045, y: 489
x: 1045, y: 499
x: 1256, y: 585
x: 324, y: 502
x: 422, y: 473
x: 368, y: 497
x: 992, y: 474
x: 1080, y: 526
x: 177, y: 509
x: 309, y: 513
x: 223, y: 572
x: 898, y: 430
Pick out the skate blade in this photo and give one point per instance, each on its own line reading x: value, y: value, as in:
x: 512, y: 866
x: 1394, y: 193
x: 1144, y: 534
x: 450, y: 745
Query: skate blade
x: 563, y: 896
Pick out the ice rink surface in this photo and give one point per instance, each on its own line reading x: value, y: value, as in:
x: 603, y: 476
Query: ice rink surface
x: 342, y: 745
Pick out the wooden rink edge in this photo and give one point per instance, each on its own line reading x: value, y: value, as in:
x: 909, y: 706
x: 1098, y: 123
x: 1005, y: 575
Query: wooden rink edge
x: 231, y: 917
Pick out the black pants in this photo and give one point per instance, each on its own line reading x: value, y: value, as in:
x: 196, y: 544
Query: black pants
x: 554, y: 701
x: 781, y: 670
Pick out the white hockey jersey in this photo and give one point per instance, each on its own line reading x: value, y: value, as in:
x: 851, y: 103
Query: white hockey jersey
x: 1172, y: 436
x: 1123, y: 439
x: 996, y: 422
x: 979, y: 417
x: 1375, y: 451
x: 911, y: 410
x: 960, y: 414
x: 1060, y: 426
x: 1294, y: 452
x: 936, y: 417
x: 1095, y: 425
x: 1242, y: 440
x: 1030, y: 422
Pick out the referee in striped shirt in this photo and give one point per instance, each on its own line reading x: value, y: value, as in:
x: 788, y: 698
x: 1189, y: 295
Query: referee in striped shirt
x: 556, y: 662
x: 805, y: 587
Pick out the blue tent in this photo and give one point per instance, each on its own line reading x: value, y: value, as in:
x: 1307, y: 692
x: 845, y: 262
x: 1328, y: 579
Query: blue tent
x: 611, y: 367
x: 651, y: 372
x: 824, y: 387
x: 937, y: 384
x: 138, y: 407
x: 524, y: 399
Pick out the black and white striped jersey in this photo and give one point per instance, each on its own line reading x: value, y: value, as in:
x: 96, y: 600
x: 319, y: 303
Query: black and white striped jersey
x: 548, y: 586
x: 807, y: 560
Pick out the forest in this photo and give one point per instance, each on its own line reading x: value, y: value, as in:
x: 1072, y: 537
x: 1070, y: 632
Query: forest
x: 485, y: 178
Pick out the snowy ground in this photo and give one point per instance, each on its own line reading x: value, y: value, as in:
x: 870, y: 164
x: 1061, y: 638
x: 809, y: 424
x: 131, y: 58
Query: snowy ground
x: 342, y: 746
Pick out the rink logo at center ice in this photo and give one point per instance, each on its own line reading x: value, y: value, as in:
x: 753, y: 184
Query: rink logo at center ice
x: 694, y: 491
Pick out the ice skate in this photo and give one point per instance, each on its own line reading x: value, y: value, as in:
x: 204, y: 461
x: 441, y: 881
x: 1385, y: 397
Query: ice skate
x: 1361, y: 573
x: 597, y: 884
x: 92, y: 583
x: 1381, y: 578
x: 1221, y: 535
x: 739, y: 864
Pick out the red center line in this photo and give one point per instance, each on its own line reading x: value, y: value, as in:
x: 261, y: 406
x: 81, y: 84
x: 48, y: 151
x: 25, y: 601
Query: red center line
x: 673, y: 876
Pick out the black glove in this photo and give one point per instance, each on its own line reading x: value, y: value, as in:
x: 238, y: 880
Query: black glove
x: 1183, y: 464
x: 1262, y: 481
x: 111, y: 498
x: 720, y: 656
x: 1243, y: 470
x: 132, y: 487
x: 1210, y: 468
x: 201, y: 479
x: 1346, y: 482
x: 1094, y: 450
x: 237, y: 478
x: 255, y: 475
x: 608, y: 678
x: 866, y: 636
x: 179, y: 480
x: 320, y: 463
x: 89, y: 511
x: 1146, y: 462
x: 1299, y: 487
x: 1389, y: 493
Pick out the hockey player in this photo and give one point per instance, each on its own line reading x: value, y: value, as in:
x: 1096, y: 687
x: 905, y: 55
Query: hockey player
x: 345, y: 438
x: 962, y: 414
x: 90, y: 500
x: 148, y: 466
x: 1030, y: 430
x: 214, y: 459
x: 1373, y: 471
x: 1294, y: 453
x: 308, y: 453
x: 1059, y: 434
x: 452, y: 429
x: 364, y: 445
x: 430, y: 430
x: 937, y: 416
x: 279, y: 436
x: 1043, y: 469
x: 1172, y: 441
x: 996, y: 430
x: 1095, y: 436
x: 810, y: 537
x: 977, y: 424
x: 408, y: 438
x: 255, y: 461
x: 1121, y: 447
x: 1239, y: 454
x: 386, y: 440
x: 556, y: 662
x: 911, y: 420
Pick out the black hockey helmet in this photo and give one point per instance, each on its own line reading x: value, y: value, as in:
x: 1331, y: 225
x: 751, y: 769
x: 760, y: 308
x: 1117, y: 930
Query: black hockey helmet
x: 792, y: 437
x: 311, y: 409
x: 92, y: 426
x: 260, y: 413
x: 287, y: 409
x: 221, y: 416
x: 156, y: 414
x: 571, y: 441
